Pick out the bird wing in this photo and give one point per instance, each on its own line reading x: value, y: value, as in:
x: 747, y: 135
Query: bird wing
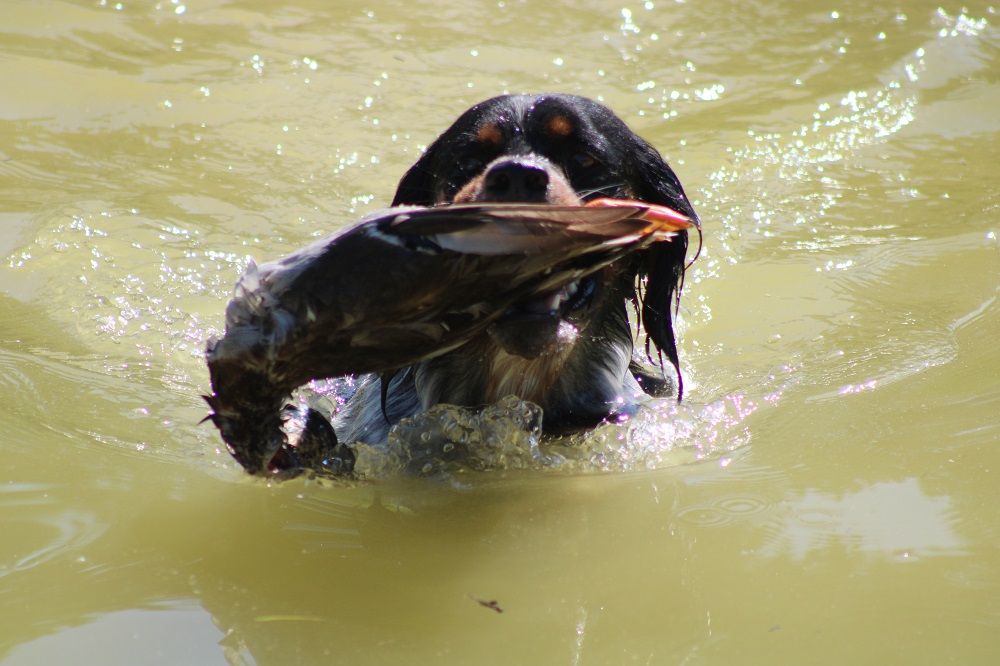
x: 400, y: 286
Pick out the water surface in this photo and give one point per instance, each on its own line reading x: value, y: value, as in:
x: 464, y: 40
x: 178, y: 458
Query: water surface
x: 826, y: 493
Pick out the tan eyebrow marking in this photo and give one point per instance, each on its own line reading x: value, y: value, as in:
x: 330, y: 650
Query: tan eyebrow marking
x: 559, y: 125
x: 490, y: 134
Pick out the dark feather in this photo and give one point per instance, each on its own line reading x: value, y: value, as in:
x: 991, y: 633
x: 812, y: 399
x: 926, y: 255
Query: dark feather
x: 317, y: 313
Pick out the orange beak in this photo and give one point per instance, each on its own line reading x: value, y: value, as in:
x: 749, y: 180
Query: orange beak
x: 666, y: 219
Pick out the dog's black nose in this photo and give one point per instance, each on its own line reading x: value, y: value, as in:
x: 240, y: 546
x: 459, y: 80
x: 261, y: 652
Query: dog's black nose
x: 515, y: 180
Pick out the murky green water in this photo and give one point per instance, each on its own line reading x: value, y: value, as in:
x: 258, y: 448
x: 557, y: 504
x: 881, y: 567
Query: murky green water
x: 826, y: 494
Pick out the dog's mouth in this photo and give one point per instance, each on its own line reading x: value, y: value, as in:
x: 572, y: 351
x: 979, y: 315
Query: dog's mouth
x: 545, y: 323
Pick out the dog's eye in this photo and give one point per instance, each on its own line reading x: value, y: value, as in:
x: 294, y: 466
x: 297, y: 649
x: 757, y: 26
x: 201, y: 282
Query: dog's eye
x: 584, y: 160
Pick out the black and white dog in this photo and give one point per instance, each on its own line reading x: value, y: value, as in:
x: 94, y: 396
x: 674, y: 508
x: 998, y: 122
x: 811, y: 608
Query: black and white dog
x: 569, y: 351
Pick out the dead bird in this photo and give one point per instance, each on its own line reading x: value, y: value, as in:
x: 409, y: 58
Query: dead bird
x: 493, y: 279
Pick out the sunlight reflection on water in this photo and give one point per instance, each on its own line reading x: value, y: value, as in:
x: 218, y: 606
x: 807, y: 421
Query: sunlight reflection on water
x: 892, y: 517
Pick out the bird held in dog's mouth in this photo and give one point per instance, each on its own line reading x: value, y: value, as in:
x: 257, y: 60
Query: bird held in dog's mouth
x: 510, y: 266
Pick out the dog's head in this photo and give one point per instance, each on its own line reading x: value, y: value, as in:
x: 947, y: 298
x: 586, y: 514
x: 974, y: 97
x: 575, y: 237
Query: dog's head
x: 560, y: 149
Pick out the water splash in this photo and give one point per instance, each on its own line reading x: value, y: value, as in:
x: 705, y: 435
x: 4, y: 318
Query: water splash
x: 447, y: 441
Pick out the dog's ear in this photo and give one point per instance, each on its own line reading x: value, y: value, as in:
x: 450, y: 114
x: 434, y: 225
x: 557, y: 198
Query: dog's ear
x: 662, y: 265
x: 417, y: 186
x: 652, y: 179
